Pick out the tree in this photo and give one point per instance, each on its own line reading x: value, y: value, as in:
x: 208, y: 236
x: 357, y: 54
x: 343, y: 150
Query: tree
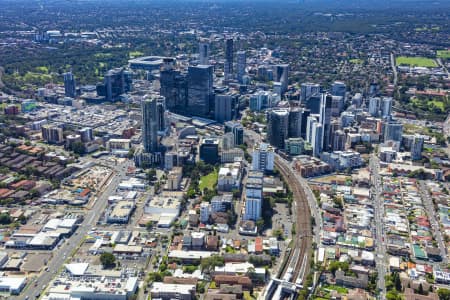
x: 149, y: 225
x: 22, y: 219
x: 251, y: 273
x: 278, y: 233
x: 336, y: 265
x: 232, y: 217
x: 260, y: 224
x: 34, y: 193
x: 444, y: 294
x: 5, y: 219
x: 155, y: 276
x: 201, y: 287
x: 207, y: 264
x: 157, y: 187
x: 151, y: 175
x: 420, y: 290
x: 191, y: 193
x: 397, y: 282
x: 108, y: 260
x: 393, y: 295
x: 162, y: 267
x: 236, y: 193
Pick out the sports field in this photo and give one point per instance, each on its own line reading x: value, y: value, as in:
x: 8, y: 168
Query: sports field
x: 415, y: 61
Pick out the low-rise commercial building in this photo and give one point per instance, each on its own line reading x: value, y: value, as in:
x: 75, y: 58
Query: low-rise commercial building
x: 168, y: 291
x: 121, y: 212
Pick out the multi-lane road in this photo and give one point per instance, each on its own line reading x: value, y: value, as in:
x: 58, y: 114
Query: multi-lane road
x: 69, y: 247
x: 380, y: 259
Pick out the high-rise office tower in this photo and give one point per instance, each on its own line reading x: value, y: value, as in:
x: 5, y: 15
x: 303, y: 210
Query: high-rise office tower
x: 374, y: 89
x: 338, y: 88
x: 393, y: 130
x: 86, y: 134
x: 115, y: 83
x: 307, y: 90
x: 173, y: 86
x: 337, y: 106
x: 150, y: 123
x: 52, y: 134
x: 282, y: 76
x: 69, y: 85
x: 127, y: 76
x: 339, y: 140
x: 278, y: 89
x: 263, y: 73
x: 317, y: 138
x: 386, y: 107
x: 161, y: 111
x: 209, y: 150
x: 325, y: 120
x: 277, y: 128
x: 263, y: 99
x: 347, y: 118
x: 229, y: 57
x: 241, y: 65
x: 223, y: 107
x: 313, y: 103
x: 227, y: 141
x: 335, y: 126
x: 417, y: 147
x: 203, y: 47
x: 374, y: 106
x: 357, y: 100
x: 238, y: 131
x: 311, y: 119
x: 304, y: 119
x: 295, y: 122
x: 200, y: 90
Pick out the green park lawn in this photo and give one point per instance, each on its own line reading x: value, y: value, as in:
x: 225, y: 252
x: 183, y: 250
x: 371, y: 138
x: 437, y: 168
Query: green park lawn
x: 247, y: 296
x: 443, y: 53
x: 42, y: 69
x: 134, y: 54
x: 415, y: 61
x: 439, y: 104
x: 102, y: 55
x: 208, y: 181
x: 356, y: 61
x: 341, y: 290
x: 429, y: 103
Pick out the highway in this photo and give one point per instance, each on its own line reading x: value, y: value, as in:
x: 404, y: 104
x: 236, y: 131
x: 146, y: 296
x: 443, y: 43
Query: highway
x: 380, y: 258
x: 69, y: 247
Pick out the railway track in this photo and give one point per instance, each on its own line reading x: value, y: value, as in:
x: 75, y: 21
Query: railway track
x: 297, y: 262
